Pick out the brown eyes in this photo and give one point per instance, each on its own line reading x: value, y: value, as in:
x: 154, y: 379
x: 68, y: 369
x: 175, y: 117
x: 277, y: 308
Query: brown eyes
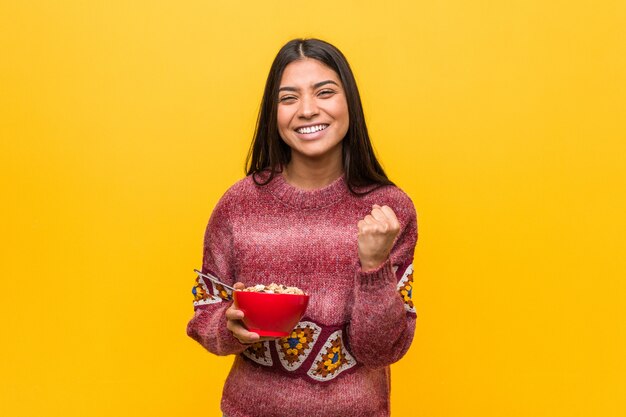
x: 326, y: 93
x: 321, y: 94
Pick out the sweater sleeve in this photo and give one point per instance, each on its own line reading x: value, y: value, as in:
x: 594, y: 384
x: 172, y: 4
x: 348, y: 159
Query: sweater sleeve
x: 383, y: 317
x: 208, y: 325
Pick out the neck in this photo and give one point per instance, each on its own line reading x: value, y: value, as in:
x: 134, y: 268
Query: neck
x: 309, y: 175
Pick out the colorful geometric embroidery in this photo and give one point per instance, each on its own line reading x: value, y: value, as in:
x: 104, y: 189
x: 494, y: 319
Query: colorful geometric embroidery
x: 222, y: 292
x: 332, y: 360
x: 295, y: 348
x: 260, y: 353
x: 405, y: 288
x: 201, y: 294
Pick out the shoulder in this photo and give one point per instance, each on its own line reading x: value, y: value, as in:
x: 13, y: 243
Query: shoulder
x: 237, y: 194
x: 239, y: 189
x: 394, y: 197
x: 246, y: 191
x: 391, y: 193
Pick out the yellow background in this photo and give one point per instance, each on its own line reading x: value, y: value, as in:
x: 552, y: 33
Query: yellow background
x: 123, y: 122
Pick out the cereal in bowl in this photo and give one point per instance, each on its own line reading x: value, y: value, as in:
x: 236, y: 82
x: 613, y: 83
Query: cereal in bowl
x: 274, y: 289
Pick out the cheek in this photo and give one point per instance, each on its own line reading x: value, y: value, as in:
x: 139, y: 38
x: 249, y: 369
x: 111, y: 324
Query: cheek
x: 282, y: 122
x: 282, y: 119
x: 341, y: 111
x: 345, y: 123
x: 343, y: 115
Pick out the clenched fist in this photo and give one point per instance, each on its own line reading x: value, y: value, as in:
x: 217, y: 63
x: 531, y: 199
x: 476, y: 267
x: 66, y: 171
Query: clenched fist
x: 377, y: 232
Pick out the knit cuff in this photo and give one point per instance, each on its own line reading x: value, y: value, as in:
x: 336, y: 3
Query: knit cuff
x: 377, y: 278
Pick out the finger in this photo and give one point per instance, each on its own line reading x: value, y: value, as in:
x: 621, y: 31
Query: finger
x: 379, y: 215
x: 243, y: 335
x: 379, y: 220
x: 246, y: 336
x: 234, y: 326
x: 267, y: 338
x: 361, y: 225
x: 369, y: 219
x: 366, y: 228
x: 233, y: 314
x: 390, y: 215
x: 239, y: 286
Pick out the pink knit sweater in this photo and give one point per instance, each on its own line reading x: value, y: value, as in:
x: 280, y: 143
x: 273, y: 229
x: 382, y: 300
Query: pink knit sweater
x: 336, y: 361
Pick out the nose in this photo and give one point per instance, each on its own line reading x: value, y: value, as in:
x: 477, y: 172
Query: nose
x: 308, y: 107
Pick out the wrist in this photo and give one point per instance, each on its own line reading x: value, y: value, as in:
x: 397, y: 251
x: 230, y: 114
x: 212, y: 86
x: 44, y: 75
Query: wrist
x: 368, y: 265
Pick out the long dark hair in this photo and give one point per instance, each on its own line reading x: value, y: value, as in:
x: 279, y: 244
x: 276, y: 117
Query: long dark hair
x: 269, y: 152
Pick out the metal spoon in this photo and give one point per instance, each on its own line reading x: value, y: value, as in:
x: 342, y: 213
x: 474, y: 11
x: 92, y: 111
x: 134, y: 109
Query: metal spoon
x: 212, y: 278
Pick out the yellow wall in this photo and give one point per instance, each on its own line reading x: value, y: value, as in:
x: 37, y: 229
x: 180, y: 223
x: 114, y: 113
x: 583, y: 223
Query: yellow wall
x: 122, y: 123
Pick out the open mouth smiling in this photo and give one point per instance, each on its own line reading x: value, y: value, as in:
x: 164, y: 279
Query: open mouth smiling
x: 311, y: 129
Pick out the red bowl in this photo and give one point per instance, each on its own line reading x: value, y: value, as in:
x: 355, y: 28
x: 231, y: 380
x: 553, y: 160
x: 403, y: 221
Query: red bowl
x: 270, y: 314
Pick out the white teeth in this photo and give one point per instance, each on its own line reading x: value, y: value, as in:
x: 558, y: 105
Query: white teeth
x: 311, y: 129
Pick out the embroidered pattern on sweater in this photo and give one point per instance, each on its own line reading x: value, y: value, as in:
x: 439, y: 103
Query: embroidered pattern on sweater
x: 222, y: 292
x: 332, y: 360
x: 201, y: 295
x: 259, y: 352
x: 295, y: 348
x: 405, y: 288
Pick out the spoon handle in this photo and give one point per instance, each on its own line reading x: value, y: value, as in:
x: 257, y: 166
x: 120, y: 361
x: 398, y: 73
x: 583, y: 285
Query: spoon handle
x: 212, y: 278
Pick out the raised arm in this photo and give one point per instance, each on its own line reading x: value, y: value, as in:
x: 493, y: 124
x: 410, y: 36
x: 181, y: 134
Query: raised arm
x: 383, y: 317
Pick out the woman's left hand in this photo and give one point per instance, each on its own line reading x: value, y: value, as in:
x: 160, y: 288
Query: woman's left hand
x: 377, y: 232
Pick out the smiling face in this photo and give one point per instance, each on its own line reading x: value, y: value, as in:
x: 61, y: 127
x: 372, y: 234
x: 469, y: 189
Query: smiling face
x: 312, y: 112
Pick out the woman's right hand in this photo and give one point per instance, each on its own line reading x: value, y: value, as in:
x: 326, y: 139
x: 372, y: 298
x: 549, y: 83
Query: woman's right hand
x: 235, y: 325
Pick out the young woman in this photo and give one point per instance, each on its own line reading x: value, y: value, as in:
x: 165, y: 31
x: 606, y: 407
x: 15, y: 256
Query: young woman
x: 315, y: 211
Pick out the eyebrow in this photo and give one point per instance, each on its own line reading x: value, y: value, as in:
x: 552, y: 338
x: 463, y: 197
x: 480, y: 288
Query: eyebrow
x: 315, y: 86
